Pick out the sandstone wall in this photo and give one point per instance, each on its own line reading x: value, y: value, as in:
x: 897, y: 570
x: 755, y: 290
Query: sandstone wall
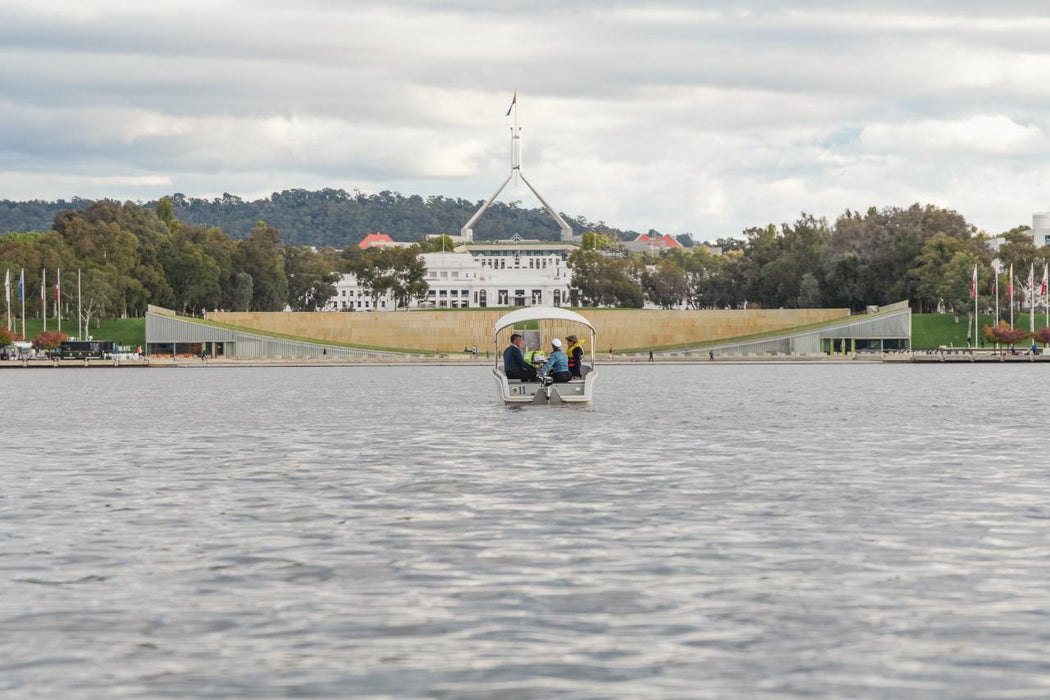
x: 450, y: 331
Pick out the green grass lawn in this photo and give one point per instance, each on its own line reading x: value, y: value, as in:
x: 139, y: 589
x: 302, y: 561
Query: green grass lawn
x: 125, y: 331
x: 935, y: 330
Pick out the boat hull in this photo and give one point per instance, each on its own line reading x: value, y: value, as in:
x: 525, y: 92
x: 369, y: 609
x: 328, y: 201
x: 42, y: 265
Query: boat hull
x: 513, y: 391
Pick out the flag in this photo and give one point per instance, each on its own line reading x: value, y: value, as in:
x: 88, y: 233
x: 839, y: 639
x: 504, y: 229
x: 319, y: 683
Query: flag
x: 21, y: 285
x: 973, y: 283
x: 1042, y: 288
x: 43, y: 276
x: 513, y: 101
x: 58, y: 280
x: 7, y: 285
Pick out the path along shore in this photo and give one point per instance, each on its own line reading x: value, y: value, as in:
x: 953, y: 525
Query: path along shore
x: 916, y: 356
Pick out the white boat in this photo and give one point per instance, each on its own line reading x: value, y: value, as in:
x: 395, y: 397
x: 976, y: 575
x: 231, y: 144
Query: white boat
x: 543, y: 392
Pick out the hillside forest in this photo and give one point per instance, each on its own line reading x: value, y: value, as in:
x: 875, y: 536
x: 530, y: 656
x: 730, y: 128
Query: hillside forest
x: 331, y: 217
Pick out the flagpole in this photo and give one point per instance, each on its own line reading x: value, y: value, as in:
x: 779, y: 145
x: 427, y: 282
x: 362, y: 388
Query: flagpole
x: 7, y: 295
x: 43, y: 298
x: 1011, y: 290
x: 1046, y: 294
x: 58, y: 298
x: 22, y: 296
x: 997, y: 297
x: 974, y: 306
x: 80, y: 316
x: 1031, y: 298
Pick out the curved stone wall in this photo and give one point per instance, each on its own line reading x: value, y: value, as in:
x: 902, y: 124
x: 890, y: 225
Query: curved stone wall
x: 451, y: 331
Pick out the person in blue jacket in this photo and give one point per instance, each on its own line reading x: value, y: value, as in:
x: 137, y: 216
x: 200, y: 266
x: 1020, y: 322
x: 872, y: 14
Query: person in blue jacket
x: 557, y: 365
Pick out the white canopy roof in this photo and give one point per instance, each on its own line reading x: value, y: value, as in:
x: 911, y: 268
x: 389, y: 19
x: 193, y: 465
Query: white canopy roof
x: 540, y: 313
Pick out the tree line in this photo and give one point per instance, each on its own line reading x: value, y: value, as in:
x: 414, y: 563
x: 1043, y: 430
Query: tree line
x: 133, y: 255
x: 923, y: 254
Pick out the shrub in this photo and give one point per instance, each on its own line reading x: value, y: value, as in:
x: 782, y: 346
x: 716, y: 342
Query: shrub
x: 1042, y: 335
x: 7, y: 336
x: 1005, y: 335
x: 49, y: 340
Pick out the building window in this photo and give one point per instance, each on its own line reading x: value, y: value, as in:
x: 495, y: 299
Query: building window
x: 483, y: 299
x: 537, y: 297
x: 503, y: 297
x: 557, y: 297
x: 519, y: 297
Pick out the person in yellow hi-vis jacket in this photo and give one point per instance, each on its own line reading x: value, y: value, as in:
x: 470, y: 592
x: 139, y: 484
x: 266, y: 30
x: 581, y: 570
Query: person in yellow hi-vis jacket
x: 575, y: 353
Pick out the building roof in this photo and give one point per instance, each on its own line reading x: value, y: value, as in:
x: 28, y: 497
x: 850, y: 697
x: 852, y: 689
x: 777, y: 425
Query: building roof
x: 664, y: 241
x: 435, y: 261
x: 380, y: 240
x: 517, y: 245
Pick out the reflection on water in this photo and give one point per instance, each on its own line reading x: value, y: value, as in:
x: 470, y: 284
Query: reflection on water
x: 715, y: 530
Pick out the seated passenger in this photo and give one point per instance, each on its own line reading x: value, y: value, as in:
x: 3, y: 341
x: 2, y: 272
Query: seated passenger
x: 557, y: 365
x: 575, y: 355
x: 514, y: 365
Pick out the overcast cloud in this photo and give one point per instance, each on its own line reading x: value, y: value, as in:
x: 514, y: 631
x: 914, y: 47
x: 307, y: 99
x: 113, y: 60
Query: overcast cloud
x: 701, y: 117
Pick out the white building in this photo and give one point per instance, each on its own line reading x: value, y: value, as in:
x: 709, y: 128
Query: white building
x: 1041, y: 229
x: 518, y: 273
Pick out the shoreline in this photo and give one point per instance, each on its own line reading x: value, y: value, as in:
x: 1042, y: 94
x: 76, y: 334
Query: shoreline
x: 913, y: 357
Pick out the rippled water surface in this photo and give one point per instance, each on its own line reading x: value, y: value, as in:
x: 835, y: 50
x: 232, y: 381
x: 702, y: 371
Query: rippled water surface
x: 700, y: 531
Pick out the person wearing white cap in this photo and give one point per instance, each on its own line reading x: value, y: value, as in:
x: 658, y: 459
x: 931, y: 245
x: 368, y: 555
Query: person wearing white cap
x: 557, y: 364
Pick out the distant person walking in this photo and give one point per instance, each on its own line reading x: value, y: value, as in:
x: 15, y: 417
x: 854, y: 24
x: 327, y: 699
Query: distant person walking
x: 650, y: 355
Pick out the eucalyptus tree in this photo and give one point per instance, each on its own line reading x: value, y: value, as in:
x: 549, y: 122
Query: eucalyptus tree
x: 259, y: 255
x: 664, y: 283
x: 311, y: 278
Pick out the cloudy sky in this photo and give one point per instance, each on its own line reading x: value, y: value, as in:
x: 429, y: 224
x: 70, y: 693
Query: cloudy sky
x: 701, y: 117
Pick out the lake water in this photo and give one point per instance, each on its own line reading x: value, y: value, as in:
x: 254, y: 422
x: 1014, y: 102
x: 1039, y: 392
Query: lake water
x: 715, y: 530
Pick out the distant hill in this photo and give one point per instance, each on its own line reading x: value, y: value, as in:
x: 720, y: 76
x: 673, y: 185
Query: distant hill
x: 332, y: 217
x: 35, y: 214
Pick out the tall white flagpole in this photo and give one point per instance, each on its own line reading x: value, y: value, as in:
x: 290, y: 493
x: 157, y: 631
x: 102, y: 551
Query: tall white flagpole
x: 1010, y: 288
x: 996, y: 296
x: 43, y: 298
x: 1046, y: 294
x: 1031, y: 298
x: 974, y: 306
x: 22, y: 297
x: 58, y: 298
x: 80, y: 316
x: 7, y: 295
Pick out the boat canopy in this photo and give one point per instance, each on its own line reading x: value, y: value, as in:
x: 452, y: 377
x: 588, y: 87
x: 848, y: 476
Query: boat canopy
x: 540, y: 313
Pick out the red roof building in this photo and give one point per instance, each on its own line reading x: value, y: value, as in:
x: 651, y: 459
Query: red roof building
x: 376, y: 240
x: 662, y: 242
